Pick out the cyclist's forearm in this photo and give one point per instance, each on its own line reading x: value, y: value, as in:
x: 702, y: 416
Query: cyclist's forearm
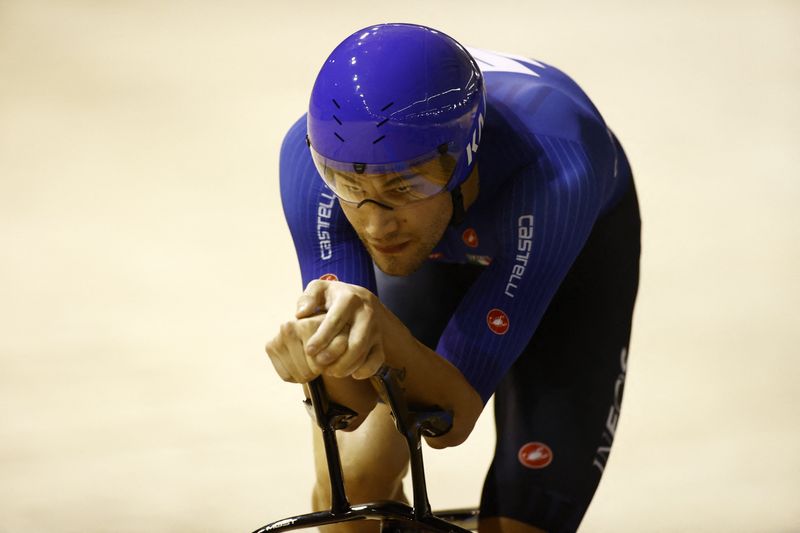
x: 431, y: 380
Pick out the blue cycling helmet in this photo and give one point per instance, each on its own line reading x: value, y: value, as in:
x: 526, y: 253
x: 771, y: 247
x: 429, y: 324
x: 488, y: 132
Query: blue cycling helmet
x: 390, y: 98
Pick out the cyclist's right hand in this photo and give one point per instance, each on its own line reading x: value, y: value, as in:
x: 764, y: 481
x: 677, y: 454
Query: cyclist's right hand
x: 287, y: 349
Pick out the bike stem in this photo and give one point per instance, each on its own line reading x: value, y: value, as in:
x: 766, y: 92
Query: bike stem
x: 411, y: 424
x: 330, y: 417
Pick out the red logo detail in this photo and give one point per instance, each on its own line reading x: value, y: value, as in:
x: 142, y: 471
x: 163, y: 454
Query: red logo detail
x: 436, y: 255
x: 470, y: 238
x: 329, y: 277
x: 535, y: 455
x: 497, y: 321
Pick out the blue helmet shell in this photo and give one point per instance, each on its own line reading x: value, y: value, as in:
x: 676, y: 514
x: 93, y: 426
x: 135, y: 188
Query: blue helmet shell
x: 393, y: 93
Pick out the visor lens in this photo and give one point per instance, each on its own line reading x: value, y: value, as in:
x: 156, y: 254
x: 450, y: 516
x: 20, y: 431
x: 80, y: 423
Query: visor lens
x: 393, y: 185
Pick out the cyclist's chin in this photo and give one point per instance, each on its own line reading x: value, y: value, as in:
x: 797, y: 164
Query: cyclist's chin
x: 399, y: 264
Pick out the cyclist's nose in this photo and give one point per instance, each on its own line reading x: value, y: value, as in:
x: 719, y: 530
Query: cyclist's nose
x: 379, y: 222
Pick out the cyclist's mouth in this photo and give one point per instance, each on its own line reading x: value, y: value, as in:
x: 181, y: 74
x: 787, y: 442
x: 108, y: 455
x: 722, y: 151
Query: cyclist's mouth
x: 395, y: 249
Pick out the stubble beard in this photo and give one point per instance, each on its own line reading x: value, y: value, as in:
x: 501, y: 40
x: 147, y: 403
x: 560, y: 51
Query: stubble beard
x: 418, y: 250
x: 402, y: 264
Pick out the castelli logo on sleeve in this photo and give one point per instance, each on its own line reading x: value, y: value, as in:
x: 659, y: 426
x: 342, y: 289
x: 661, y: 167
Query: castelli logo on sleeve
x: 470, y: 238
x: 497, y: 321
x: 329, y: 277
x: 535, y: 455
x: 324, y: 215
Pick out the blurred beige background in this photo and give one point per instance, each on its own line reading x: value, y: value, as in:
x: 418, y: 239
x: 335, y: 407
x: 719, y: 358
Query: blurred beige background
x: 144, y: 259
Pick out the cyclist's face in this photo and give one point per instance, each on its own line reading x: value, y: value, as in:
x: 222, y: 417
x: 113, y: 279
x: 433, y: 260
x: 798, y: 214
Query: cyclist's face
x: 400, y: 240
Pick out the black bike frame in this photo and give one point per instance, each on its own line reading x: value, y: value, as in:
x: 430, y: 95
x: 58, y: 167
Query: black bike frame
x: 412, y: 425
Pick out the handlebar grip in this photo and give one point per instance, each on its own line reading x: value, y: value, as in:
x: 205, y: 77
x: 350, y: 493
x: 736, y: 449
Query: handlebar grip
x: 434, y: 423
x: 324, y: 411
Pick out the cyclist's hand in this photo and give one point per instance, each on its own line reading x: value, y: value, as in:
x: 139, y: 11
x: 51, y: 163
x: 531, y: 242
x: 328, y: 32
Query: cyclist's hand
x: 344, y: 306
x: 287, y: 349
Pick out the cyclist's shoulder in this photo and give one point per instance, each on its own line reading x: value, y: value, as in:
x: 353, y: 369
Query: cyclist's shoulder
x: 535, y: 98
x: 299, y: 184
x: 294, y: 140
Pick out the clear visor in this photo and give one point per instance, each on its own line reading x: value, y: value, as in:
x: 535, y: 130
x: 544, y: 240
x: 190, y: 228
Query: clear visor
x: 392, y: 184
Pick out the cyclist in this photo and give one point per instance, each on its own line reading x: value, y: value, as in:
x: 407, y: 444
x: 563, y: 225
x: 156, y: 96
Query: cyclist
x: 468, y: 217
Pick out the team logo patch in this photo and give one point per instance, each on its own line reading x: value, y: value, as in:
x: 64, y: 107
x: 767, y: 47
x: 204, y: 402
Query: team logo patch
x: 497, y: 321
x: 470, y: 238
x: 535, y: 455
x: 329, y: 277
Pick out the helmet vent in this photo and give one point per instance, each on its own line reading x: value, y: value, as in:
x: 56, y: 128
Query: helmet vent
x: 339, y: 137
x: 387, y: 106
x: 336, y: 103
x: 339, y: 122
x: 382, y: 122
x: 379, y: 139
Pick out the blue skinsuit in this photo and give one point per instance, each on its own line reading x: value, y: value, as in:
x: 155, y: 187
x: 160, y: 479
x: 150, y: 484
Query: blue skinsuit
x: 551, y: 246
x: 549, y: 167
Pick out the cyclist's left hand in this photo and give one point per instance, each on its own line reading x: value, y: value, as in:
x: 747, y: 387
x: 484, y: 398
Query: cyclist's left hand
x: 344, y: 305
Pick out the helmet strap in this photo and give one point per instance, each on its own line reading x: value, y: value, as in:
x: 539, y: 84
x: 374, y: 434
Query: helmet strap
x: 458, y: 206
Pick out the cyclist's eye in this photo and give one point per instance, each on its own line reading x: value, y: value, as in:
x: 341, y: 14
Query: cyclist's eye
x: 399, y: 191
x: 353, y: 189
